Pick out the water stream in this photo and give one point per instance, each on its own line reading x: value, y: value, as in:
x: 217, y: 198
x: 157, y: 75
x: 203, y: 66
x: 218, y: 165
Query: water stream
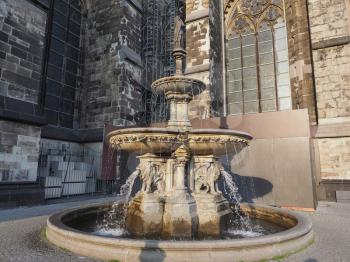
x: 240, y: 224
x: 113, y: 222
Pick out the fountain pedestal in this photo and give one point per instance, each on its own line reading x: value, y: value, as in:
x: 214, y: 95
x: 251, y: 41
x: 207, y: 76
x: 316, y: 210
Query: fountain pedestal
x: 145, y: 211
x: 180, y: 216
x: 212, y: 208
x: 213, y: 213
x: 145, y: 215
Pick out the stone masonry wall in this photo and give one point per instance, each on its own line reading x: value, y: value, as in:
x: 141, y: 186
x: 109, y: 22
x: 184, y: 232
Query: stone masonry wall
x: 334, y: 157
x: 22, y: 40
x: 300, y: 61
x: 112, y: 70
x: 333, y: 82
x: 197, y: 44
x: 330, y: 34
x: 19, y: 151
x: 202, y: 38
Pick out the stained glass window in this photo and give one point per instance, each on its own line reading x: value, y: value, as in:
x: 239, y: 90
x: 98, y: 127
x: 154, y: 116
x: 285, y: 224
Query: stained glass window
x: 256, y: 57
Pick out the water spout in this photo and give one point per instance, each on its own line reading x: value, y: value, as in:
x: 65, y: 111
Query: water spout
x: 243, y: 223
x: 126, y: 189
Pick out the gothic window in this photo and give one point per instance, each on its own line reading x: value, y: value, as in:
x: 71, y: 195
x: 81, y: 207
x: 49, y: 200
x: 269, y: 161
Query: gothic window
x: 256, y: 57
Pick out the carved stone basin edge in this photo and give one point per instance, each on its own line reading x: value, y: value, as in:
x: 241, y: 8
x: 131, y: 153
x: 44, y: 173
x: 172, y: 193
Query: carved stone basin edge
x: 251, y: 249
x: 176, y: 136
x: 178, y: 83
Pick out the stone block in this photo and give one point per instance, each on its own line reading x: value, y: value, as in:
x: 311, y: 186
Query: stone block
x: 9, y: 139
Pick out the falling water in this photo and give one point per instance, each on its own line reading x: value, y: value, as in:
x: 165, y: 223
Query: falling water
x: 113, y: 222
x: 126, y: 189
x: 242, y: 225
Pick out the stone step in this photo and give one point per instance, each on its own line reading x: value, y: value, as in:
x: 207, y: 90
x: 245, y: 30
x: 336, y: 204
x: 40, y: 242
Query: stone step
x: 343, y: 196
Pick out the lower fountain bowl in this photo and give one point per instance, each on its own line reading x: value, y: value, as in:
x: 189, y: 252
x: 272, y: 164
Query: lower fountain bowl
x: 298, y: 235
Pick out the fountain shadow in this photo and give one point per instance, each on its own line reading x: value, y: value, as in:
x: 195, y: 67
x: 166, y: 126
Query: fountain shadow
x: 249, y: 188
x: 150, y: 253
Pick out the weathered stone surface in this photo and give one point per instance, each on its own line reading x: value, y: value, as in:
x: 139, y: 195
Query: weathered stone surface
x: 112, y: 89
x: 334, y: 157
x: 302, y: 85
x: 22, y: 41
x: 329, y: 21
x: 19, y: 146
x: 204, y: 61
x: 333, y: 82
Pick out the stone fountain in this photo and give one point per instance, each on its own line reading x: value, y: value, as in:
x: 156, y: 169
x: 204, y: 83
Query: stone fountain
x: 179, y: 167
x: 179, y: 197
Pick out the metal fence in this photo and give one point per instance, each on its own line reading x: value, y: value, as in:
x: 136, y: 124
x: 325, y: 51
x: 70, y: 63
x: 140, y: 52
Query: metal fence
x: 70, y: 169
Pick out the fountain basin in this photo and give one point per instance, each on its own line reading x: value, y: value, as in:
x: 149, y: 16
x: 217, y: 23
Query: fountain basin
x: 178, y: 84
x: 166, y: 140
x: 298, y: 234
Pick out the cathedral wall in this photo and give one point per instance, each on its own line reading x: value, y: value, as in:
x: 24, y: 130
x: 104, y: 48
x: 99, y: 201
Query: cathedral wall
x: 22, y: 41
x: 204, y: 55
x: 112, y: 71
x: 300, y: 56
x: 330, y: 34
x: 334, y: 157
x: 19, y: 151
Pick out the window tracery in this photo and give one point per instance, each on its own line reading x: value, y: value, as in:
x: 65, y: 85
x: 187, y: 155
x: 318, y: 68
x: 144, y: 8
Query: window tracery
x: 257, y: 56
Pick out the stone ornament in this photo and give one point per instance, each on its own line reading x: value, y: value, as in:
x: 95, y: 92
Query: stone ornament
x: 206, y: 175
x: 242, y: 16
x: 152, y: 173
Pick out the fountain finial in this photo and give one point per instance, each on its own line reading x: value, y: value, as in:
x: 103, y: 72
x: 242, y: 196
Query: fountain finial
x: 179, y: 52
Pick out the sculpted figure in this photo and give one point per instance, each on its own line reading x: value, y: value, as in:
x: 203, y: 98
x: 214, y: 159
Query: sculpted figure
x: 178, y: 33
x: 206, y: 176
x: 201, y: 180
x: 214, y: 172
x: 145, y: 174
x: 152, y: 177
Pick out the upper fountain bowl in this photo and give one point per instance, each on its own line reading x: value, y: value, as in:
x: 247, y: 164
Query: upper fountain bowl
x: 178, y: 84
x: 166, y: 140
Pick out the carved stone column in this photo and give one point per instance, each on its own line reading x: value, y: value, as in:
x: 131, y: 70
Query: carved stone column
x: 179, y: 110
x: 180, y: 216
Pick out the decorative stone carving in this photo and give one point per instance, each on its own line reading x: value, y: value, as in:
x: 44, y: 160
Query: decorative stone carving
x: 179, y: 33
x: 206, y: 173
x: 180, y: 138
x: 247, y: 15
x: 152, y: 173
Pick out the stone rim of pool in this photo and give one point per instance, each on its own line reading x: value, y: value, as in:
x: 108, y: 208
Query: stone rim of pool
x: 248, y: 249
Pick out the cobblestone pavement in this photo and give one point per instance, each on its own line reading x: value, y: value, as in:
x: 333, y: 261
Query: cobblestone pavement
x: 21, y: 236
x: 21, y: 239
x: 331, y: 223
